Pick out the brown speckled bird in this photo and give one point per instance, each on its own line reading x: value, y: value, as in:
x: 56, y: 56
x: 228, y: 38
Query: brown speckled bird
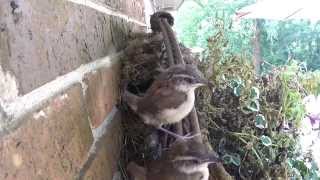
x: 170, y: 97
x: 185, y: 160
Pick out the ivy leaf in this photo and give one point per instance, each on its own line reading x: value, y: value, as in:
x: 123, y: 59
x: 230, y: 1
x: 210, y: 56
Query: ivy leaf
x: 236, y: 159
x: 236, y: 82
x: 255, y: 93
x: 232, y: 159
x: 290, y: 163
x: 254, y: 106
x: 237, y: 91
x: 227, y: 159
x: 237, y: 86
x: 260, y: 122
x: 265, y: 140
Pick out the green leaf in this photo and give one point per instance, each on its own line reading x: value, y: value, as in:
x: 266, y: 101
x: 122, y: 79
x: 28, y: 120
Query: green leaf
x: 290, y: 163
x: 232, y: 159
x: 266, y: 140
x: 260, y: 122
x: 227, y: 159
x: 253, y: 105
x: 255, y: 93
x: 237, y: 91
x: 245, y: 110
x: 236, y: 160
x: 234, y: 83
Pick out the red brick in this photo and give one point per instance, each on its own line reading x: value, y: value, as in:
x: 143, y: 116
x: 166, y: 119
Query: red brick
x: 50, y: 144
x: 102, y: 93
x: 106, y: 162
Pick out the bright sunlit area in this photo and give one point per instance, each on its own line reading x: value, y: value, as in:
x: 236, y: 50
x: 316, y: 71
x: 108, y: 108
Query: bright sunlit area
x: 267, y: 54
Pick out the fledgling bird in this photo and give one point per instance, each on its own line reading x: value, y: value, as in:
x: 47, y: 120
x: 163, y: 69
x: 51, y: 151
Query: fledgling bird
x: 170, y: 97
x: 185, y: 160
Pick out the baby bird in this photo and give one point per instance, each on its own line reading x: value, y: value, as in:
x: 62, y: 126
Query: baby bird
x: 185, y: 160
x: 169, y: 99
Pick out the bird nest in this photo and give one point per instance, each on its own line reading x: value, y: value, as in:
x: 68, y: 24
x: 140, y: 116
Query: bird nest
x: 250, y: 122
x: 141, y: 65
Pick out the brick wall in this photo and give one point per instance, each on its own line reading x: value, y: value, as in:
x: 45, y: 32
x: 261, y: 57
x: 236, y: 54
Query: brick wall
x: 59, y: 74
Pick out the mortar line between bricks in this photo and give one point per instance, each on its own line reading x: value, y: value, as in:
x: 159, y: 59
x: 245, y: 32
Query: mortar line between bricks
x: 107, y: 10
x: 28, y: 103
x: 98, y: 134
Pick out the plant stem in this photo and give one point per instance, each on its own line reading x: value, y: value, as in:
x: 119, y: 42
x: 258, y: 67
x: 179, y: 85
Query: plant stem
x: 254, y: 151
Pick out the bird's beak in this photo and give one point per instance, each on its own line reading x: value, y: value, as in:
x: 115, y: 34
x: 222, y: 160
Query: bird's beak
x: 202, y: 81
x: 205, y: 82
x: 211, y: 158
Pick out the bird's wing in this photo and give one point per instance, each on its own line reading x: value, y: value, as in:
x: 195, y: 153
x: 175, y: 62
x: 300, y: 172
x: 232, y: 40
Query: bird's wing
x: 131, y: 99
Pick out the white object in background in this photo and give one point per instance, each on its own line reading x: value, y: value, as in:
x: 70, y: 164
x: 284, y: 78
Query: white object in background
x: 312, y: 104
x: 309, y: 139
x: 281, y: 10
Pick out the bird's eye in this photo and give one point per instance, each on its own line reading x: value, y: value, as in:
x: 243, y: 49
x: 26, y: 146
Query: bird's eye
x: 196, y: 161
x: 189, y: 80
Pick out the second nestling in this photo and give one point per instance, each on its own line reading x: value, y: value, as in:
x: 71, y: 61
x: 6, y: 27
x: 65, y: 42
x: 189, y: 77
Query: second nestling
x: 184, y: 160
